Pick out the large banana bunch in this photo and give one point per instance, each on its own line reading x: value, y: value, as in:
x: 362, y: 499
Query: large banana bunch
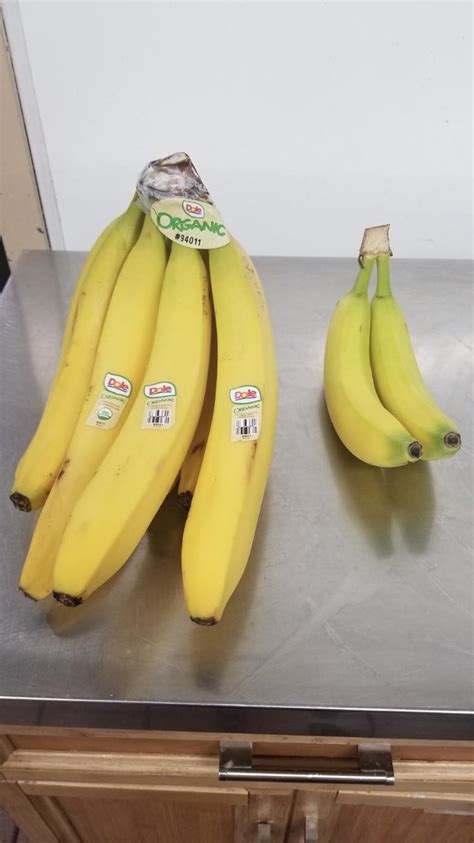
x: 363, y: 424
x: 119, y: 366
x: 398, y: 379
x: 226, y: 504
x: 41, y: 462
x: 113, y: 512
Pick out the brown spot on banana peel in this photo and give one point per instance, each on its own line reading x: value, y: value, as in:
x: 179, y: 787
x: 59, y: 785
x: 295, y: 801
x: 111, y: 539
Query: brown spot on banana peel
x: 20, y: 502
x: 67, y: 599
x: 63, y: 468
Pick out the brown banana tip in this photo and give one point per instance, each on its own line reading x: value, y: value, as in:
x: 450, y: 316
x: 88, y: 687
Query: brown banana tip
x: 185, y: 500
x: 415, y: 450
x: 452, y: 439
x: 67, y: 599
x: 26, y: 594
x: 204, y: 621
x: 20, y: 502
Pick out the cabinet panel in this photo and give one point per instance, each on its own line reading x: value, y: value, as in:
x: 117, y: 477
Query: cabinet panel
x: 147, y: 821
x: 206, y: 743
x: 366, y: 824
x: 24, y: 814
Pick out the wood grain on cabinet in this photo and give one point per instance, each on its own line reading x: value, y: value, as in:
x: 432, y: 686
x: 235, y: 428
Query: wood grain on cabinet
x: 22, y: 222
x: 188, y: 743
x: 6, y: 749
x: 55, y: 819
x: 201, y: 795
x: 191, y: 771
x: 313, y: 814
x: 270, y: 809
x: 24, y: 814
x: 148, y: 821
x: 368, y: 824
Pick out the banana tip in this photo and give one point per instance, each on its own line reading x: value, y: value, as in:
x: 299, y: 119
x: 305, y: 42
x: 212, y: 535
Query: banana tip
x: 27, y: 594
x: 67, y: 599
x: 20, y: 502
x: 204, y: 621
x: 185, y: 500
x: 452, y: 440
x: 415, y: 450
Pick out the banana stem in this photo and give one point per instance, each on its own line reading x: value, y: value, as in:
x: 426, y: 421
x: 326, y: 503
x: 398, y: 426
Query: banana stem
x: 384, y: 289
x: 361, y: 284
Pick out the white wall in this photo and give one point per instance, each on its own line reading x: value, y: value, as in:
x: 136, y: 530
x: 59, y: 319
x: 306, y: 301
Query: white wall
x: 307, y: 121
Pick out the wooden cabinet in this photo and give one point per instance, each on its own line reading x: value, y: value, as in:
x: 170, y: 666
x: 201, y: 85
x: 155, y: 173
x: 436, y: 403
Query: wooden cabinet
x: 112, y: 787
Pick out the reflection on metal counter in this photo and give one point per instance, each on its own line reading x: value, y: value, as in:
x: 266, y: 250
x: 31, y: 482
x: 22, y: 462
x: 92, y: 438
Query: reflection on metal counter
x: 357, y: 601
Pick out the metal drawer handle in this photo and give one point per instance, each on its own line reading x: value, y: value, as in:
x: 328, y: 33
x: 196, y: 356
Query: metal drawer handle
x: 375, y: 767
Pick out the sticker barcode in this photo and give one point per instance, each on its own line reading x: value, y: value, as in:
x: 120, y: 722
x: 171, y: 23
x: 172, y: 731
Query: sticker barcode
x: 246, y: 426
x: 159, y: 418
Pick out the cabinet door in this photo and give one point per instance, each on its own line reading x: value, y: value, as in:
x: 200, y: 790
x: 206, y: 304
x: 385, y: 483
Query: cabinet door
x: 344, y: 816
x: 369, y: 824
x: 147, y: 820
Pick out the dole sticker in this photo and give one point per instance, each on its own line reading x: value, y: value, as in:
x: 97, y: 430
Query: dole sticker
x: 245, y: 394
x: 196, y: 225
x: 159, y: 412
x: 193, y: 209
x: 161, y: 389
x: 246, y: 413
x: 117, y: 384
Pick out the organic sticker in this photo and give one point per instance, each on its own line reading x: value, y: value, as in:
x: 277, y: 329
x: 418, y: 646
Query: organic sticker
x: 110, y: 402
x: 188, y: 222
x: 160, y: 406
x: 246, y: 413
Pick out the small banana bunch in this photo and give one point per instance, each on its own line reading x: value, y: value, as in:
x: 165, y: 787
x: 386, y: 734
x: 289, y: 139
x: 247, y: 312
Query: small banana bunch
x: 375, y: 394
x: 158, y: 378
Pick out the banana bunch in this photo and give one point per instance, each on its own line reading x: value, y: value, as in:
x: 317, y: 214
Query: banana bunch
x: 167, y: 371
x: 378, y: 402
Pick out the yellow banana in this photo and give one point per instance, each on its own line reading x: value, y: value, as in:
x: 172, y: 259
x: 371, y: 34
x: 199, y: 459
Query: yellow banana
x: 192, y: 464
x: 71, y: 315
x: 40, y: 464
x: 226, y: 504
x: 398, y: 379
x: 362, y: 423
x: 116, y: 507
x: 120, y: 363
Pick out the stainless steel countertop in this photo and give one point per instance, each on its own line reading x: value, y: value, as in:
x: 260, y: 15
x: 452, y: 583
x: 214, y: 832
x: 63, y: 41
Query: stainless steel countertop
x: 355, y: 614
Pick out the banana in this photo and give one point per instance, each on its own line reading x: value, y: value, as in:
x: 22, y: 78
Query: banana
x: 41, y: 462
x: 362, y: 423
x: 192, y: 464
x: 221, y: 524
x: 118, y: 504
x: 120, y: 363
x: 398, y: 379
x: 71, y: 315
